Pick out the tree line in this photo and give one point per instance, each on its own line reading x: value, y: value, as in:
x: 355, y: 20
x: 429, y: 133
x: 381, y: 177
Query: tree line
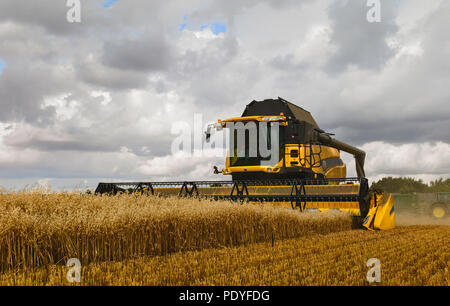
x: 409, y: 185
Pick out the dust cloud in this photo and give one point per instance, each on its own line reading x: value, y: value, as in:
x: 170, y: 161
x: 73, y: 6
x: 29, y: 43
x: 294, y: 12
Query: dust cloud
x: 404, y: 219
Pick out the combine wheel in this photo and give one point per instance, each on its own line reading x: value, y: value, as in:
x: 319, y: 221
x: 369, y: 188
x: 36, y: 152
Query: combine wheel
x: 439, y: 210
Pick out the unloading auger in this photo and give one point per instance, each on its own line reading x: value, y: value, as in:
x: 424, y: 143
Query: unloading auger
x: 307, y: 172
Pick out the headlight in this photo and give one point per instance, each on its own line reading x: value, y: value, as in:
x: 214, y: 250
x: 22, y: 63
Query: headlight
x: 218, y: 126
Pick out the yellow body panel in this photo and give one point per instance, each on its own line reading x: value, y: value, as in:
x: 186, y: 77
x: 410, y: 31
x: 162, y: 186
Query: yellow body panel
x: 308, y: 156
x: 304, y: 156
x: 336, y: 172
x: 354, y: 211
x: 385, y: 216
x: 381, y: 215
x: 280, y: 190
x: 273, y: 169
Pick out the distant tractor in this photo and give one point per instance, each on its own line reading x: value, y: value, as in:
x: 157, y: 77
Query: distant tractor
x: 436, y: 205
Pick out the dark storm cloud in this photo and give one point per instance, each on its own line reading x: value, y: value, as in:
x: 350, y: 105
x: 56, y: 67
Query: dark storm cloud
x: 392, y: 131
x: 149, y: 52
x: 109, y: 78
x: 211, y: 59
x: 359, y: 42
x: 84, y: 141
x: 287, y: 62
x: 49, y: 14
x: 62, y: 145
x: 21, y: 93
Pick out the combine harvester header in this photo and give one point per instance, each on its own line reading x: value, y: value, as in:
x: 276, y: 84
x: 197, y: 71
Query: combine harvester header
x: 303, y: 167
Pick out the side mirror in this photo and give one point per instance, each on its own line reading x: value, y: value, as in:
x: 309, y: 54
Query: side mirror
x: 216, y: 126
x: 208, y: 132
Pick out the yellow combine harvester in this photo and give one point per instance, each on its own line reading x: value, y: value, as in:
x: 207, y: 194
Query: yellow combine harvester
x: 279, y: 154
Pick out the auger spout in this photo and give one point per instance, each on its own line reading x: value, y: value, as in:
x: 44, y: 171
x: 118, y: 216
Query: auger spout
x: 358, y: 154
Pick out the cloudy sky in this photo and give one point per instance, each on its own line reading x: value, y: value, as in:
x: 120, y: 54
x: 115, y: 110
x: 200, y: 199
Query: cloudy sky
x: 97, y: 100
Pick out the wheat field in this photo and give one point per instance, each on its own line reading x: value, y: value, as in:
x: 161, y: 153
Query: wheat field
x: 38, y: 228
x: 410, y: 256
x: 139, y: 240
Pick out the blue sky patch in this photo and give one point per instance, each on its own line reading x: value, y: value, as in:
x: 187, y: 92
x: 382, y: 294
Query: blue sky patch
x: 184, y: 24
x: 182, y: 27
x: 218, y: 27
x: 109, y: 3
x: 2, y: 66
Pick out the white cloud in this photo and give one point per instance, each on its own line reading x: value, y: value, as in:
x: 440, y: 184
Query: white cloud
x: 64, y: 107
x: 428, y: 161
x: 129, y: 74
x: 104, y: 94
x: 10, y: 155
x: 182, y: 164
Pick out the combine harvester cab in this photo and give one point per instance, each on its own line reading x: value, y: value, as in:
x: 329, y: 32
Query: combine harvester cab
x: 306, y: 172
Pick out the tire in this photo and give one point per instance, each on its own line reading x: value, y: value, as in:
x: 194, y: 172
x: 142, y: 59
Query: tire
x: 439, y: 210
